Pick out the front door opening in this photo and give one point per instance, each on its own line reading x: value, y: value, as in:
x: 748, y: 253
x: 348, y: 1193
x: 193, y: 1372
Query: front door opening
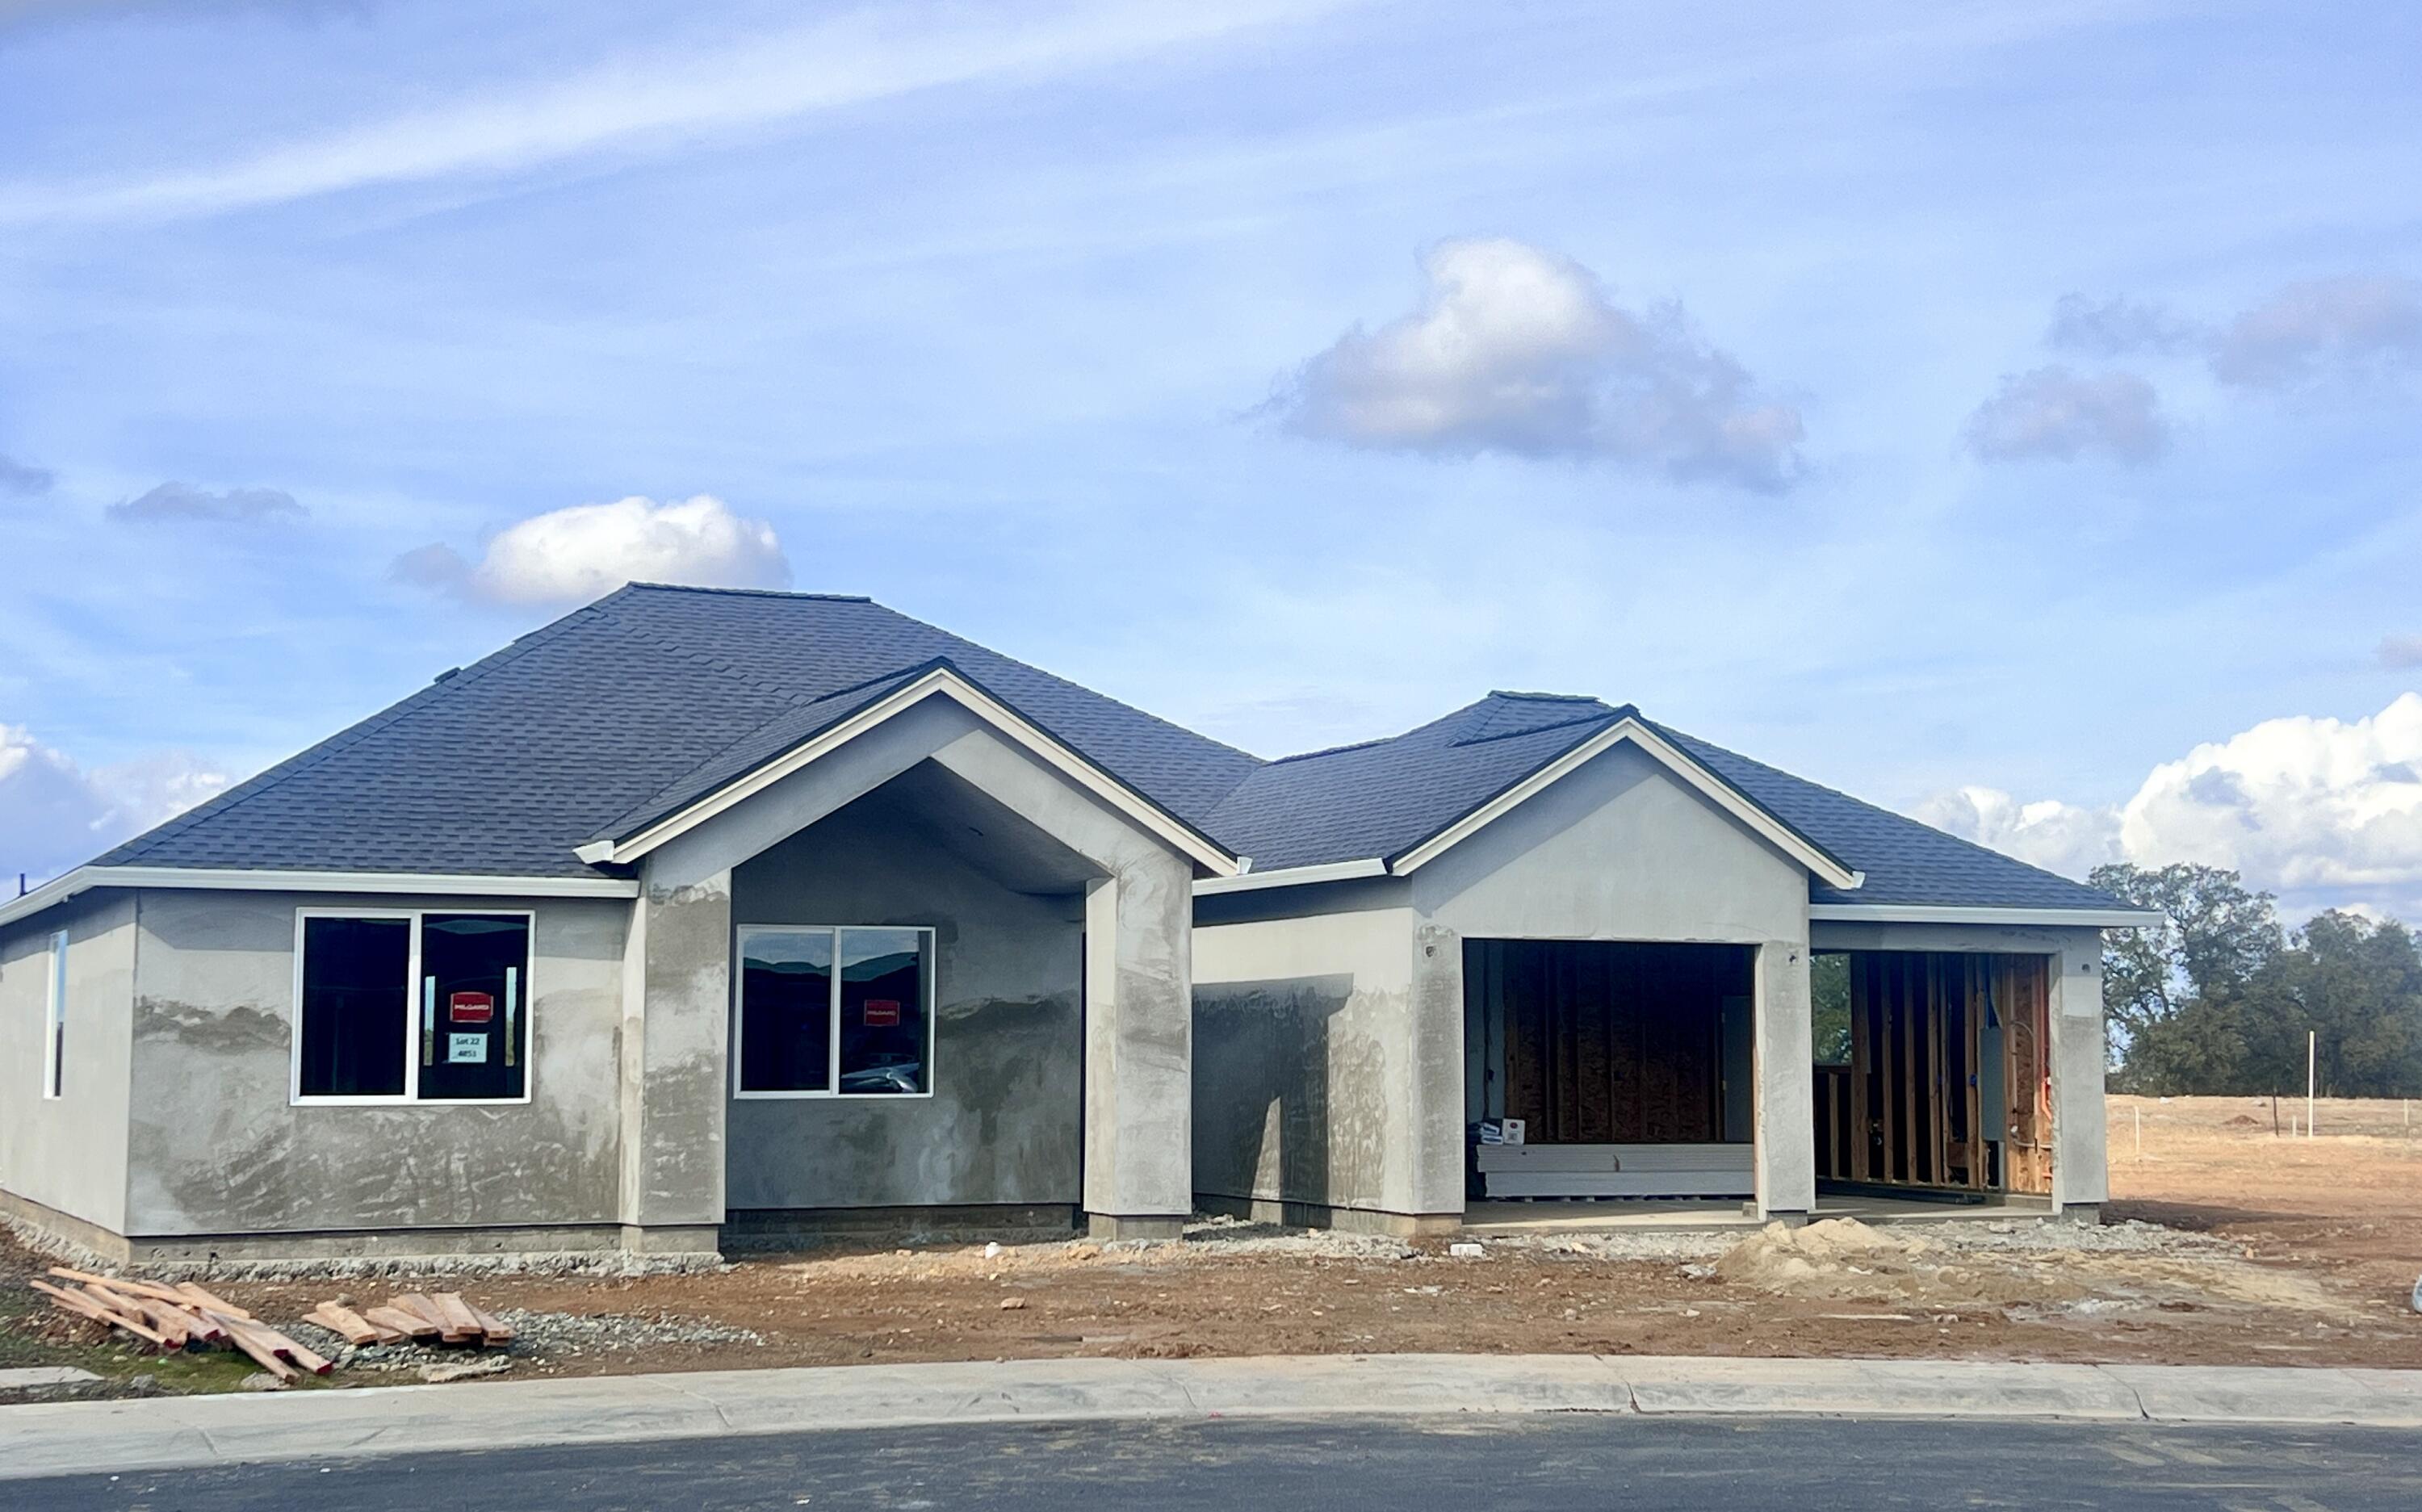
x: 1598, y: 1068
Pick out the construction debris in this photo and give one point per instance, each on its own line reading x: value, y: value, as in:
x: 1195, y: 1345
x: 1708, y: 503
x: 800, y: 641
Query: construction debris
x: 184, y: 1317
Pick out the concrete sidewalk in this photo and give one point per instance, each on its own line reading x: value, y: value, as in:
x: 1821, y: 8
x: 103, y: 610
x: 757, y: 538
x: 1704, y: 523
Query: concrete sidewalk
x: 53, y: 1438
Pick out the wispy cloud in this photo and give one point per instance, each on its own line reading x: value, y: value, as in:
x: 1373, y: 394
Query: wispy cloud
x: 174, y: 502
x: 1518, y: 350
x: 23, y: 476
x: 635, y: 102
x: 2059, y: 414
x: 2357, y: 326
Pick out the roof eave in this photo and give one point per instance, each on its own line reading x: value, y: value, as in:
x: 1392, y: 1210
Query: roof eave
x: 947, y: 681
x: 2082, y: 916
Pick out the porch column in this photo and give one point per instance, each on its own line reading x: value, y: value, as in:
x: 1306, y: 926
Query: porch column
x: 1140, y: 1049
x: 2081, y: 1176
x: 1785, y: 1161
x: 676, y: 996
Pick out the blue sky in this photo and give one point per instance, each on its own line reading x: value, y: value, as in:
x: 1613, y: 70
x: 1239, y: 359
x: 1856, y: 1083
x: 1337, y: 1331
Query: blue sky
x: 2007, y: 413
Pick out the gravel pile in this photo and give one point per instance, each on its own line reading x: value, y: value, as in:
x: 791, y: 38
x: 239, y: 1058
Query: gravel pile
x: 1236, y: 1235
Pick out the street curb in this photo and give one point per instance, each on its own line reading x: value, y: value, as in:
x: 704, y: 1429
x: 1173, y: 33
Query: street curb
x: 161, y: 1433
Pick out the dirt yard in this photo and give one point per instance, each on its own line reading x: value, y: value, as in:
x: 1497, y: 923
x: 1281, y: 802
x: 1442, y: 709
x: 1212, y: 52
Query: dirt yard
x: 2228, y: 1245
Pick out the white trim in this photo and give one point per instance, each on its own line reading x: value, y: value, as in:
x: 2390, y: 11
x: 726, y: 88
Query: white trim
x: 1290, y: 877
x: 54, y: 1019
x: 830, y: 1092
x: 1784, y: 839
x: 85, y: 878
x: 413, y: 990
x: 1922, y: 913
x: 949, y: 684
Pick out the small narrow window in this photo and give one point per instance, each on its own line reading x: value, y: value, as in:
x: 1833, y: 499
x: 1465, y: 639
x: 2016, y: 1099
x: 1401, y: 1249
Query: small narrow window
x: 55, y: 1021
x: 431, y: 1007
x: 835, y: 1012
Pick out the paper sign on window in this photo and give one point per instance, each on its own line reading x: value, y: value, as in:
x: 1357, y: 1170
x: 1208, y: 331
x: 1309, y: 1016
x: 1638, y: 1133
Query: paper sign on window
x: 461, y: 1048
x: 882, y: 1013
x: 470, y: 1008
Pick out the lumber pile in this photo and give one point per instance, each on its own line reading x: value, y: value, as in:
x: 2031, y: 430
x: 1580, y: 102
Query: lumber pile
x: 184, y: 1317
x: 445, y: 1318
x: 181, y: 1317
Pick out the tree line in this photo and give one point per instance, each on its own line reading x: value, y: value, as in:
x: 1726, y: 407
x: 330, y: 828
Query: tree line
x: 2220, y: 998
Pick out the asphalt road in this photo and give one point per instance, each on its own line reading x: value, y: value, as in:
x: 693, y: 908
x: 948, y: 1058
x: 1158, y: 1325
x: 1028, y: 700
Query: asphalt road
x: 1510, y: 1464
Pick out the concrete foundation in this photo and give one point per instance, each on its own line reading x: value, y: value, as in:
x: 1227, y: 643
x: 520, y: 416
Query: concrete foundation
x: 1342, y: 1219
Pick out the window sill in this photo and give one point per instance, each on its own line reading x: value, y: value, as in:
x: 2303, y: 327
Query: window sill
x: 408, y: 1102
x: 832, y: 1096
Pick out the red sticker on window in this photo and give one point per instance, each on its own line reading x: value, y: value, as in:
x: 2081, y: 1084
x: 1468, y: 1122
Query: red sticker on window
x: 882, y: 1013
x: 470, y: 1008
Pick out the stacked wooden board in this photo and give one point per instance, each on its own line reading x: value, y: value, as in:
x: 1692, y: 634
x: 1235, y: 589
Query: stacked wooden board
x: 178, y: 1317
x: 183, y: 1316
x: 445, y: 1318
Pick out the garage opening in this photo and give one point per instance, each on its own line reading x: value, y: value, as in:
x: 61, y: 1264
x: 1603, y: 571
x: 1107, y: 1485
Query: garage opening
x: 1932, y: 1075
x: 1608, y: 1069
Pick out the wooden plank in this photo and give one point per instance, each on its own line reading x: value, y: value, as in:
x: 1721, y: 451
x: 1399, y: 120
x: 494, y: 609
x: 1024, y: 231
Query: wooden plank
x: 497, y: 1330
x: 125, y: 1285
x: 195, y: 1297
x: 462, y: 1324
x: 347, y: 1324
x: 244, y: 1335
x: 419, y: 1304
x: 103, y: 1311
x: 402, y: 1323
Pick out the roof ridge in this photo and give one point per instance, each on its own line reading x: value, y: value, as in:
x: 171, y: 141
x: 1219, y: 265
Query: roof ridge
x: 1549, y: 698
x: 741, y: 592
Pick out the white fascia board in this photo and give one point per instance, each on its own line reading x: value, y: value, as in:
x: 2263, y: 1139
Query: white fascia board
x: 942, y: 681
x: 85, y: 878
x: 1920, y: 913
x: 1722, y: 793
x: 1290, y: 876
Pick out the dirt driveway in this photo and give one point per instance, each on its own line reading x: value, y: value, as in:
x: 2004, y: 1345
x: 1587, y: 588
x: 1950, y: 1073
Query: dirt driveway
x: 2267, y: 1252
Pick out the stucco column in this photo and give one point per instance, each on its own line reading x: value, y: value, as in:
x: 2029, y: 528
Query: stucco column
x: 676, y: 1028
x: 2081, y: 1177
x: 1139, y: 1051
x: 1786, y: 1113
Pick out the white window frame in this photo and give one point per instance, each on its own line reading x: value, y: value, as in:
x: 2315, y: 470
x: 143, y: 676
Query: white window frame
x: 54, y: 1020
x: 831, y: 1090
x: 412, y: 995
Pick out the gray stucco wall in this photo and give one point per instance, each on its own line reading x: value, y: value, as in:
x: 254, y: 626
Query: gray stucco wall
x: 217, y: 1146
x: 2080, y: 1173
x: 69, y: 1153
x: 1347, y: 998
x: 1005, y: 1118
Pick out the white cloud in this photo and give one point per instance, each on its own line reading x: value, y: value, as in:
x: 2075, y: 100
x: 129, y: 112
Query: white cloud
x: 2326, y: 813
x: 55, y: 814
x: 2352, y: 327
x: 576, y: 554
x: 2296, y: 804
x: 183, y: 501
x: 643, y: 102
x: 2057, y: 412
x: 2056, y: 836
x: 1518, y: 350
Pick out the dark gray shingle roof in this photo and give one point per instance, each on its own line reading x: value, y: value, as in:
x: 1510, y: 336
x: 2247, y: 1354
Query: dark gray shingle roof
x: 653, y: 697
x: 1381, y: 798
x: 506, y: 766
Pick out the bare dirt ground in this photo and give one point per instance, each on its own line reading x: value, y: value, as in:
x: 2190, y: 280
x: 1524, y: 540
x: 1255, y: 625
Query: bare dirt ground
x: 2227, y: 1246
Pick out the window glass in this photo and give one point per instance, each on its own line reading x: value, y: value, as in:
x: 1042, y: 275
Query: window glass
x: 55, y: 1021
x: 882, y: 1029
x: 473, y: 1010
x: 354, y: 990
x: 786, y: 1010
